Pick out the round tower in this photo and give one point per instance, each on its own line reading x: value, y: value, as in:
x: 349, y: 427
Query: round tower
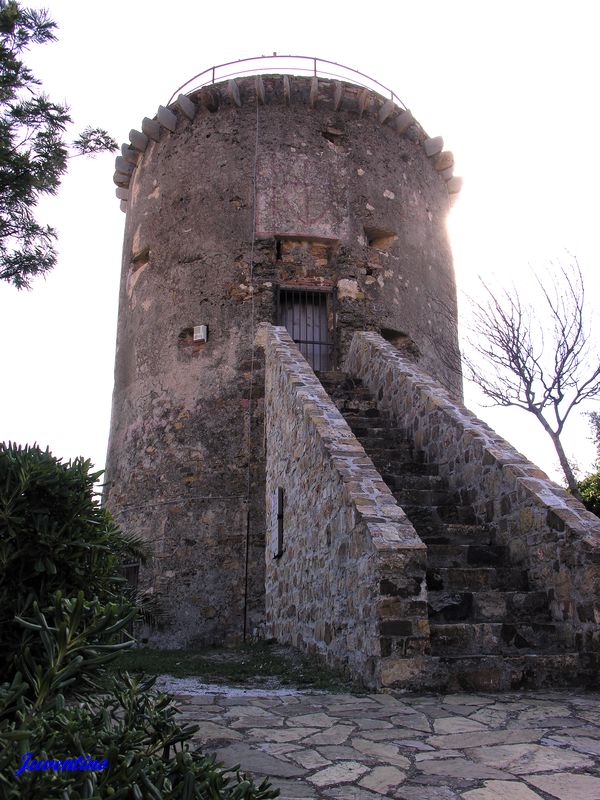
x: 312, y: 203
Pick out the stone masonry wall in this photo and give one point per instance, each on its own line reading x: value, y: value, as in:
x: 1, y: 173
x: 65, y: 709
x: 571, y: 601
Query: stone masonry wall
x: 547, y: 530
x: 232, y: 194
x: 350, y: 582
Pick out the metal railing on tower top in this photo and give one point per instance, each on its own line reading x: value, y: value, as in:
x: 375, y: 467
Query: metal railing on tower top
x: 283, y: 65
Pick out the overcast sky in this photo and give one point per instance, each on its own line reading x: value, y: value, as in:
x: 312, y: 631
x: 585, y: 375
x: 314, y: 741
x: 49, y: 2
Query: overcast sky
x: 512, y: 87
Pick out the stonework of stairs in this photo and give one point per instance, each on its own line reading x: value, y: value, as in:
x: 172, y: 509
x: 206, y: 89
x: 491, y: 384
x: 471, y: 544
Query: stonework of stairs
x: 489, y: 629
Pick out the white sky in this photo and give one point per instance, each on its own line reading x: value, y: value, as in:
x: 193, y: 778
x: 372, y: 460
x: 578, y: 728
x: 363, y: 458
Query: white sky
x: 512, y: 87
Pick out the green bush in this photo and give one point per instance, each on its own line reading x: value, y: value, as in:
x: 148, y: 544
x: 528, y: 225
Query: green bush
x: 133, y: 727
x: 63, y: 618
x: 589, y: 489
x: 54, y: 536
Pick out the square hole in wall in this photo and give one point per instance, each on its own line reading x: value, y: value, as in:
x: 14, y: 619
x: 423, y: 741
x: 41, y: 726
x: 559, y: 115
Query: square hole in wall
x: 380, y: 238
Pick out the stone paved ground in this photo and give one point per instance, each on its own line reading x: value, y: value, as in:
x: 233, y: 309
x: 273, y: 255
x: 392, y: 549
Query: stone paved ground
x: 517, y: 746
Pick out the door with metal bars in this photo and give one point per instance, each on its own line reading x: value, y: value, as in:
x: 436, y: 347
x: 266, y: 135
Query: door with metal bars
x: 309, y: 316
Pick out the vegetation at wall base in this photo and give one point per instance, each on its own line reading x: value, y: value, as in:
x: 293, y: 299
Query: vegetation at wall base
x: 589, y: 487
x: 64, y: 617
x: 264, y: 664
x: 589, y: 491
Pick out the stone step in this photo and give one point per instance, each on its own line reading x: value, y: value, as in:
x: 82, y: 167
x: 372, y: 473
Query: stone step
x: 373, y: 430
x: 375, y: 442
x: 405, y: 462
x: 358, y: 396
x: 425, y: 498
x: 467, y: 555
x: 462, y: 514
x: 402, y: 481
x: 380, y: 436
x: 489, y: 638
x: 494, y: 606
x: 477, y: 579
x: 354, y: 405
x: 494, y: 673
x: 458, y: 533
x: 393, y: 455
x: 428, y: 524
x: 405, y: 466
x: 335, y: 376
x: 365, y: 416
x: 485, y: 625
x: 344, y: 391
x: 433, y: 518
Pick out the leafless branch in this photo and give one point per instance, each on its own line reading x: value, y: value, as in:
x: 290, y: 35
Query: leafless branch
x: 536, y: 358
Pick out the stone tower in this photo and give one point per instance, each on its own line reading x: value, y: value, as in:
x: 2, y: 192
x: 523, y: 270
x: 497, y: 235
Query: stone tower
x: 310, y: 203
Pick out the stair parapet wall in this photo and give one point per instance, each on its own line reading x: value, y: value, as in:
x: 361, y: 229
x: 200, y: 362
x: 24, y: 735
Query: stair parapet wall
x: 547, y: 530
x: 350, y: 577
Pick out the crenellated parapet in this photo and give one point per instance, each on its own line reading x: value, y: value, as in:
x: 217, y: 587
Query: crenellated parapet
x: 271, y: 90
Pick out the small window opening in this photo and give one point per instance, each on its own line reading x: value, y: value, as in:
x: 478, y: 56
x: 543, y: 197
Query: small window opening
x: 401, y: 341
x: 131, y: 573
x: 277, y: 523
x: 141, y: 258
x: 332, y: 134
x: 380, y: 238
x: 337, y: 137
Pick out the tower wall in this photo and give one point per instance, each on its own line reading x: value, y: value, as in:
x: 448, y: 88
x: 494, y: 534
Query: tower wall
x: 313, y: 188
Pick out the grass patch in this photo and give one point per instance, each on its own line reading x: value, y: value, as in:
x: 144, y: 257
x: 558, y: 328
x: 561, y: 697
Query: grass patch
x: 260, y: 665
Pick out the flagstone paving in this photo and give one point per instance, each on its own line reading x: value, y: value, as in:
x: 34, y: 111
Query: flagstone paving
x: 512, y: 746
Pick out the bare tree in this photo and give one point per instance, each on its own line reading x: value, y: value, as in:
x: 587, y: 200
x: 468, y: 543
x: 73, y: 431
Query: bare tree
x: 538, y: 359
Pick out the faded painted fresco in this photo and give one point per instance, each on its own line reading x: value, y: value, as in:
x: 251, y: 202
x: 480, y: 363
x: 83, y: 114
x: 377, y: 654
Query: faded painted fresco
x: 302, y: 195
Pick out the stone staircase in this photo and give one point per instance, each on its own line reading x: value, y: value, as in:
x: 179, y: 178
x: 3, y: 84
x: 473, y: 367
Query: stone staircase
x: 489, y: 630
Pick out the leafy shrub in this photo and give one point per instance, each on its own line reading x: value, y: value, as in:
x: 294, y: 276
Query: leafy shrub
x: 134, y: 728
x: 54, y: 536
x: 63, y: 618
x: 589, y: 489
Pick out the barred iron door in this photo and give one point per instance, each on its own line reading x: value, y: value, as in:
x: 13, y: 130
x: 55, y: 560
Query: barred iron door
x: 309, y: 316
